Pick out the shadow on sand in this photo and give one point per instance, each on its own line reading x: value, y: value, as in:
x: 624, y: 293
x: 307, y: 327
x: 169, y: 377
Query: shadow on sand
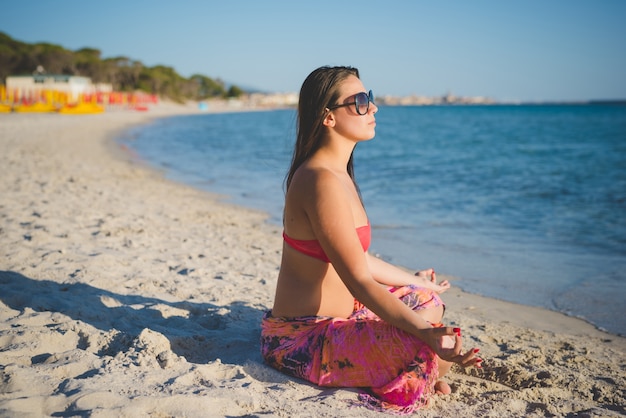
x: 201, y: 332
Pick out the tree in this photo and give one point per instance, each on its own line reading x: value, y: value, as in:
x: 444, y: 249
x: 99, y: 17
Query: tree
x: 55, y: 59
x: 123, y: 73
x: 234, y: 91
x: 203, y: 87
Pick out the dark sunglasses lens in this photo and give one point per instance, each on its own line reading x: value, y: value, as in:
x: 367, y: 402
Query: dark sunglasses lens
x: 362, y: 102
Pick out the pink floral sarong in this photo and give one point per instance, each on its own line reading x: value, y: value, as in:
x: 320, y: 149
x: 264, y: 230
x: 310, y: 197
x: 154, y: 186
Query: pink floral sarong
x: 397, y: 370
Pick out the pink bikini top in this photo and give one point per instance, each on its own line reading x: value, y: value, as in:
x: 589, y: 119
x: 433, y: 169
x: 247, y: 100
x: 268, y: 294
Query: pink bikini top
x: 312, y: 247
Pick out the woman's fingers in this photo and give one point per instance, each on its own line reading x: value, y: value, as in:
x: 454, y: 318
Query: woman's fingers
x: 428, y: 273
x: 454, y: 353
x: 469, y: 359
x: 450, y: 343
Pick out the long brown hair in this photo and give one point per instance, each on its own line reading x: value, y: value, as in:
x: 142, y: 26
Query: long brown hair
x: 319, y: 91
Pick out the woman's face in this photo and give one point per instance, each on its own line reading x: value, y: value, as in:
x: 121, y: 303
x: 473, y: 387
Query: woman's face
x: 348, y: 122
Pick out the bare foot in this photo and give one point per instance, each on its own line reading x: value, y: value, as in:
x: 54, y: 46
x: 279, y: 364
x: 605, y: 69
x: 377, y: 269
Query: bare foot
x: 442, y: 388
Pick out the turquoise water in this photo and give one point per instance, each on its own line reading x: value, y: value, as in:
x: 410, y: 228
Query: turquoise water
x: 521, y: 203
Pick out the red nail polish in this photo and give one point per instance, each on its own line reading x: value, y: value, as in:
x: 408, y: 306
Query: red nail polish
x: 457, y: 331
x: 476, y: 350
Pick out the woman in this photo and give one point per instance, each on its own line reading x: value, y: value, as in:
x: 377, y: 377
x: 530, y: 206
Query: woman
x: 342, y: 317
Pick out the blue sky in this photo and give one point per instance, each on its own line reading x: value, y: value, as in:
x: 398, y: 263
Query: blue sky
x: 509, y: 50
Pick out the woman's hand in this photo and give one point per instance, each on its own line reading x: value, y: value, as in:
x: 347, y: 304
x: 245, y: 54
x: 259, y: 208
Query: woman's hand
x: 430, y: 277
x: 447, y: 343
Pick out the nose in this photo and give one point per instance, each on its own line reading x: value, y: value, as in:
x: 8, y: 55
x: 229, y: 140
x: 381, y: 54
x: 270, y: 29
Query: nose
x: 373, y: 108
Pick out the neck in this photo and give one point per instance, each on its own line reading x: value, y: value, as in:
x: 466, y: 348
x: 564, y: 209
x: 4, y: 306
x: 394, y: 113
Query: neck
x: 335, y: 154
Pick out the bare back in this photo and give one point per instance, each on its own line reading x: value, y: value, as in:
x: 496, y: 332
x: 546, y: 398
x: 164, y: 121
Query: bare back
x: 306, y: 285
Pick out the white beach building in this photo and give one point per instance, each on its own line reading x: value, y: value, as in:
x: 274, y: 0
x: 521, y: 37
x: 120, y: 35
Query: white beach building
x: 72, y: 85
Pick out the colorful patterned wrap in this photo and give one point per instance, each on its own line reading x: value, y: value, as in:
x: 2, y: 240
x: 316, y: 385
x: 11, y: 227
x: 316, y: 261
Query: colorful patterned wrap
x: 398, y: 370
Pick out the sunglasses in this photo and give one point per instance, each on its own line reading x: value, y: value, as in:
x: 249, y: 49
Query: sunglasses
x: 361, y: 103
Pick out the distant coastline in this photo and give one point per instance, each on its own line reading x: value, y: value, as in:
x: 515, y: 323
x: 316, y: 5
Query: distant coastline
x: 616, y: 102
x: 289, y: 100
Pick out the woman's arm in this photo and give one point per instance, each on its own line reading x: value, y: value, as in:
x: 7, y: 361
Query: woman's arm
x: 388, y: 274
x: 331, y: 215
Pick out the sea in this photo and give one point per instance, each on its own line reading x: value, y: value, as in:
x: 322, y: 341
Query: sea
x: 523, y: 203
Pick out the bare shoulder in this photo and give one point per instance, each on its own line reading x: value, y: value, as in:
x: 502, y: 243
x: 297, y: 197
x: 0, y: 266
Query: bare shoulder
x: 312, y: 173
x: 313, y: 181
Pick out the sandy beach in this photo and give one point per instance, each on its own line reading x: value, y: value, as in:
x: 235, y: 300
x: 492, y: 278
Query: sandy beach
x: 125, y: 294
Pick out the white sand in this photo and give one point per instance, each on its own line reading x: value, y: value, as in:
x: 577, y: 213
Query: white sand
x: 124, y: 294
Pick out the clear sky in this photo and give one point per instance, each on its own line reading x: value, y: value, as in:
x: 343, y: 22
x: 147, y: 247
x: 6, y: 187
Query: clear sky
x: 507, y: 50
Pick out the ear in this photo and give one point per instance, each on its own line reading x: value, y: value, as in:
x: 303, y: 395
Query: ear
x: 329, y: 120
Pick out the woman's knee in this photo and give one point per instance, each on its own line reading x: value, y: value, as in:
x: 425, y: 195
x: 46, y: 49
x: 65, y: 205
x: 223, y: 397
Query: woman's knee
x: 433, y: 315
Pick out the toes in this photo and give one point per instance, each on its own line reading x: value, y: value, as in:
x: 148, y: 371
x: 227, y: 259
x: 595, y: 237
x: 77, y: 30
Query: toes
x: 442, y: 388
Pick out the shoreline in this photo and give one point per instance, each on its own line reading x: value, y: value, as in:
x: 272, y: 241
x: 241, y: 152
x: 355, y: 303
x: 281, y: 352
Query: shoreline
x: 176, y: 280
x: 487, y: 252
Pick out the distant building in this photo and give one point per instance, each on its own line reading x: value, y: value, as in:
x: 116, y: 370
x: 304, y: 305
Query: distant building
x: 273, y: 99
x: 446, y: 99
x: 71, y: 85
